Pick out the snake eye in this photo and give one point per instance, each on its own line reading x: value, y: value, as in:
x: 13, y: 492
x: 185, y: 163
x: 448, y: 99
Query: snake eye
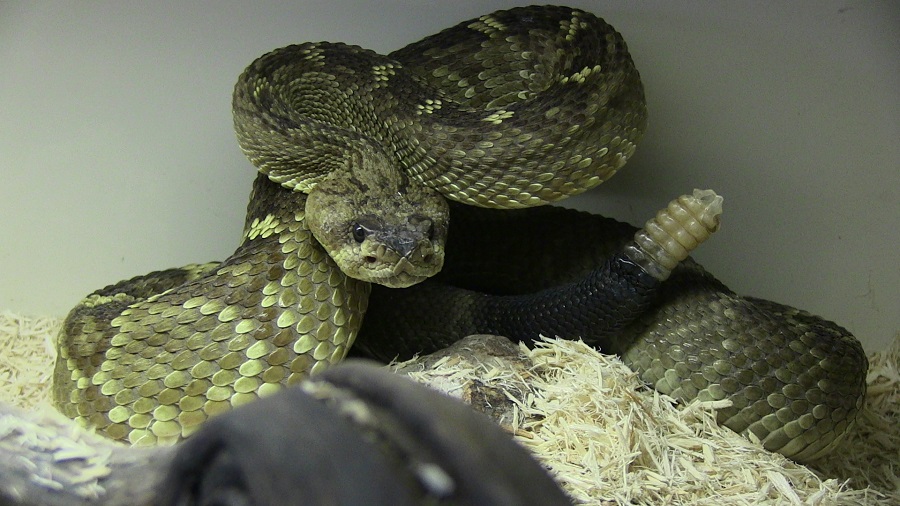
x: 359, y: 232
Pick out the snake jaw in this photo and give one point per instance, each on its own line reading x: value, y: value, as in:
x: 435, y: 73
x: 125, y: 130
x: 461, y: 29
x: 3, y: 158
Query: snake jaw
x: 380, y: 260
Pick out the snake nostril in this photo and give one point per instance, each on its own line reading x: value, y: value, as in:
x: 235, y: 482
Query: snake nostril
x: 427, y: 258
x: 371, y: 259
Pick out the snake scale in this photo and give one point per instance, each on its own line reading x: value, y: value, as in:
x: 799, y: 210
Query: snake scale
x: 358, y: 155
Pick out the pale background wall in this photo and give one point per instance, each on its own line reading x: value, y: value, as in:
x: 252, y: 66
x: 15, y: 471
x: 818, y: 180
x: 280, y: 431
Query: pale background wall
x: 117, y: 155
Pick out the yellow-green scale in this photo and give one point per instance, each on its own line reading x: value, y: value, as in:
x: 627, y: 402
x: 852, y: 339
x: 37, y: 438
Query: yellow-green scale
x: 274, y: 313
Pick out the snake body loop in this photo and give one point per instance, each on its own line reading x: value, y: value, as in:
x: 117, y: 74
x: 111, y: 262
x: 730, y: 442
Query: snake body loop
x: 358, y: 155
x: 516, y: 108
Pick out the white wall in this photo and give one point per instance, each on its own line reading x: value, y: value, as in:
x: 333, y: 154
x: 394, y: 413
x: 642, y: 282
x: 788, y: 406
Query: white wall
x: 117, y: 155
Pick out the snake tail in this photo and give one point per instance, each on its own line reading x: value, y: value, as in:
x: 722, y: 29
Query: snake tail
x: 790, y: 379
x: 627, y: 282
x: 675, y: 231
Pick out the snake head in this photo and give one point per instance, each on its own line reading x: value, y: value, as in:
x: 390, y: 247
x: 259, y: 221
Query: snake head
x: 377, y: 225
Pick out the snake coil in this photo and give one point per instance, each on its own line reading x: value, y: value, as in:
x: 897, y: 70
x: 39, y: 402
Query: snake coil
x: 357, y: 153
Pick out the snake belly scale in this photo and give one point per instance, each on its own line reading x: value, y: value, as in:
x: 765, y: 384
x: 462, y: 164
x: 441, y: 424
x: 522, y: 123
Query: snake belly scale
x: 358, y: 154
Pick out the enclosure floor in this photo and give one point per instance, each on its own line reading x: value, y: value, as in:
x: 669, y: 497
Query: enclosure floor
x: 605, y: 437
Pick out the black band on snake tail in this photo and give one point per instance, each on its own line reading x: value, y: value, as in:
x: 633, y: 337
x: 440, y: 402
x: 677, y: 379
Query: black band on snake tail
x: 595, y: 307
x: 607, y: 300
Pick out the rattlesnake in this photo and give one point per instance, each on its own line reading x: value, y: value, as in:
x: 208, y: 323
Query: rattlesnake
x: 357, y: 153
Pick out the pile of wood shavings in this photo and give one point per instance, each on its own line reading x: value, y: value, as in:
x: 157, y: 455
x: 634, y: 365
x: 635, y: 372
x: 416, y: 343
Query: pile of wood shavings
x: 607, y: 438
x: 27, y: 358
x: 610, y: 440
x: 627, y: 444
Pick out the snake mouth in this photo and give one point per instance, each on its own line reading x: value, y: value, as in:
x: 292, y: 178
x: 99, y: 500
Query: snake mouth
x: 376, y: 262
x: 403, y: 280
x: 382, y: 263
x: 401, y: 273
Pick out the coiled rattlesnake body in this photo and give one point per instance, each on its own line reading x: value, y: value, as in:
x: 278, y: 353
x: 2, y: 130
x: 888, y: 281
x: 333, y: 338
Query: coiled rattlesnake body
x: 357, y: 153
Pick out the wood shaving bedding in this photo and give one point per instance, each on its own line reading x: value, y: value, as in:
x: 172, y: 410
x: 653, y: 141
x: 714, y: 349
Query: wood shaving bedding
x: 609, y: 439
x: 634, y: 445
x: 606, y: 437
x: 27, y: 358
